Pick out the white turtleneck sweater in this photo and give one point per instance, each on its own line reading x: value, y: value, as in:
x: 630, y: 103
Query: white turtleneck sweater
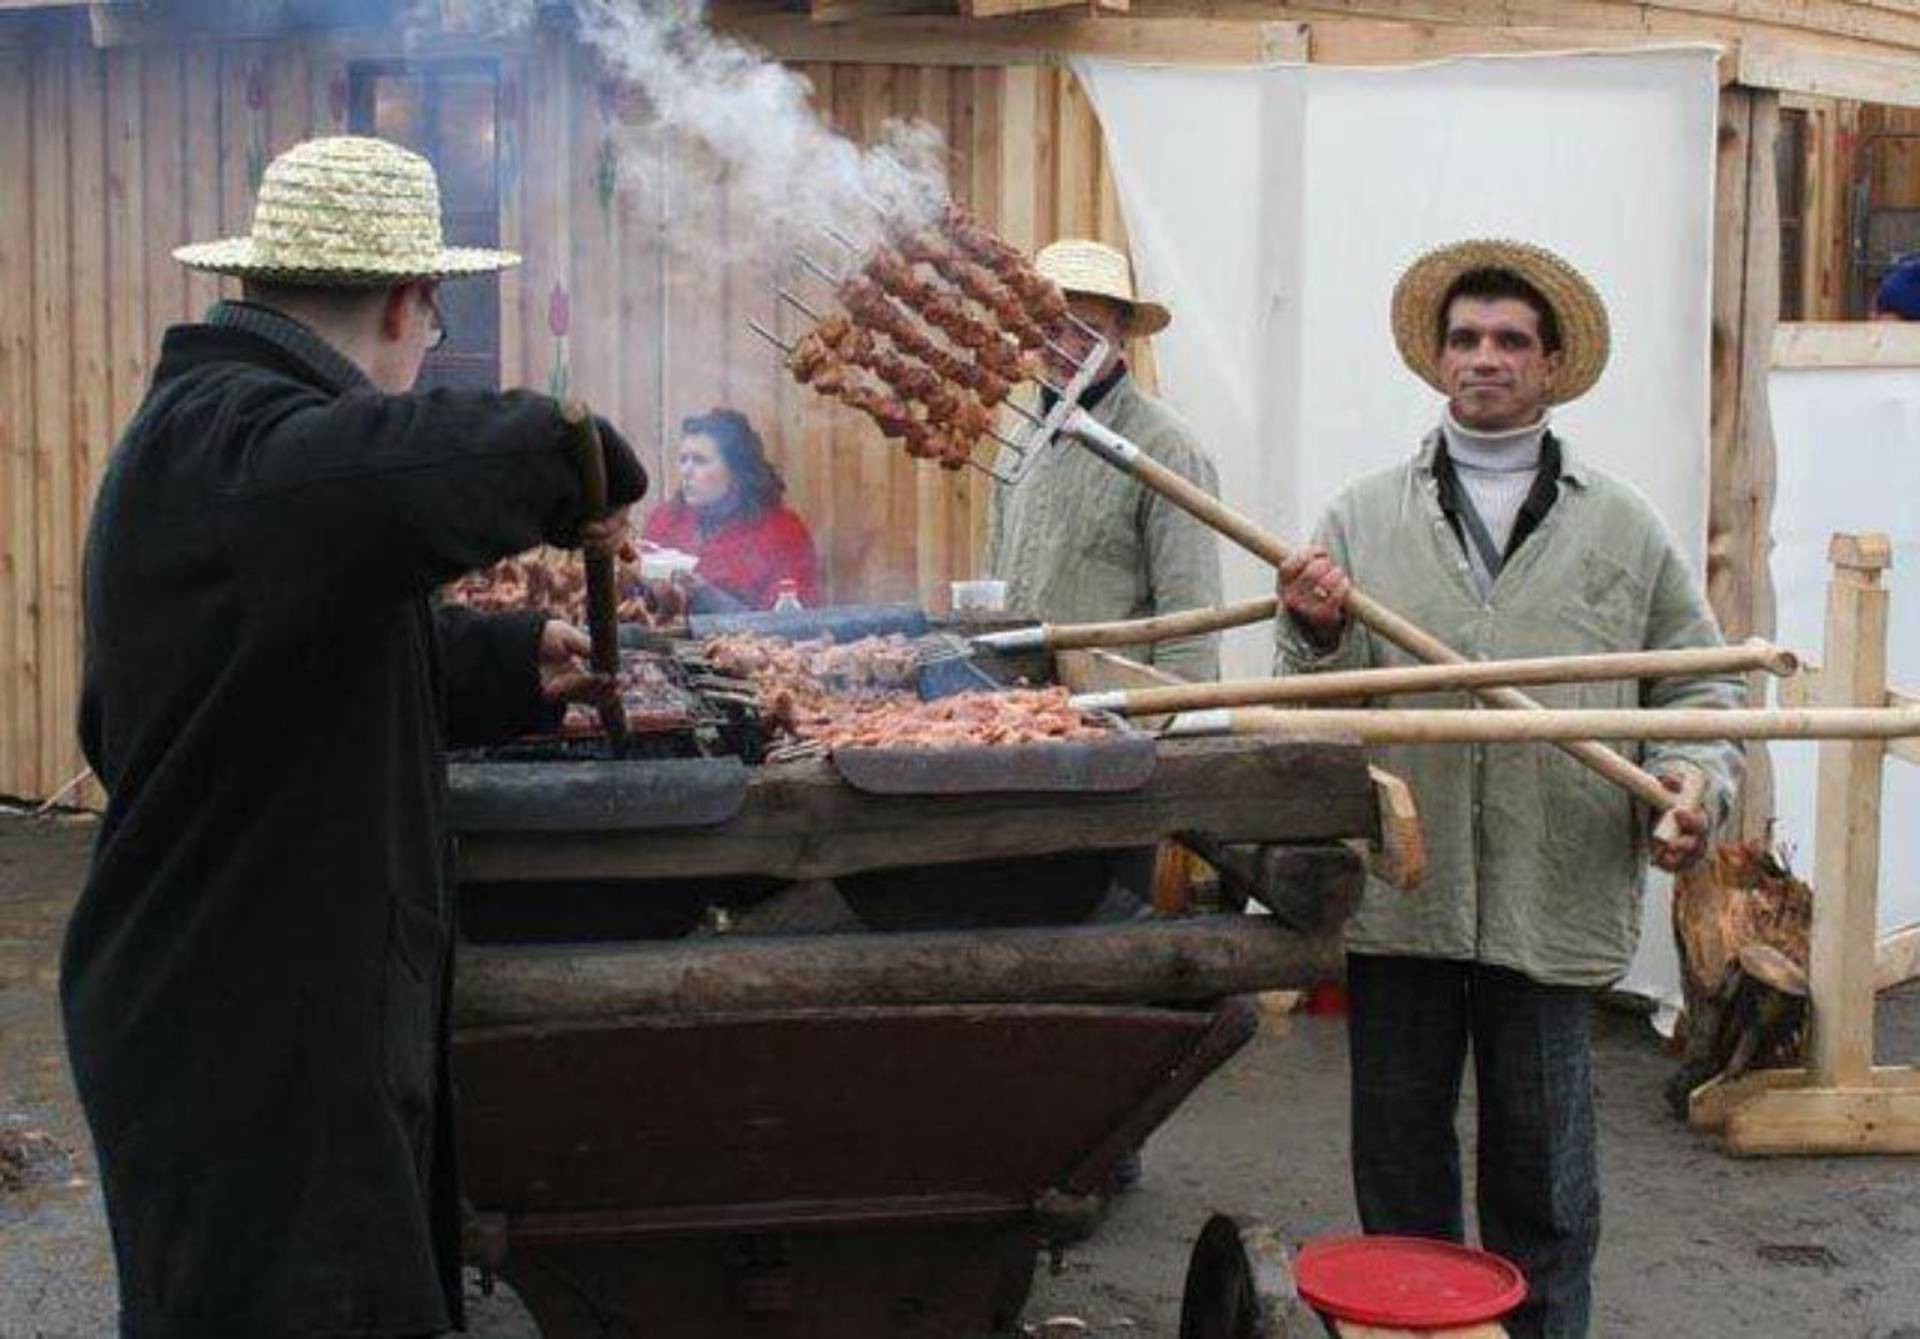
x: 1497, y: 470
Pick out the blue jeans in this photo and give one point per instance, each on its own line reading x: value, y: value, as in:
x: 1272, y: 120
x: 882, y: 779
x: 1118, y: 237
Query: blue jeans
x: 1410, y: 1025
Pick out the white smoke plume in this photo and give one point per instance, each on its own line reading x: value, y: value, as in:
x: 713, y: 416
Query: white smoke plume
x: 786, y: 170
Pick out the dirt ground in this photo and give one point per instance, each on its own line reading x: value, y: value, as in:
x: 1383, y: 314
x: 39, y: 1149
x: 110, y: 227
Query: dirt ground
x: 1696, y: 1244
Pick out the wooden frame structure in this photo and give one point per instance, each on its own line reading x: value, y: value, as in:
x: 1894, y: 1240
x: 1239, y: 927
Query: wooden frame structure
x: 1841, y: 1102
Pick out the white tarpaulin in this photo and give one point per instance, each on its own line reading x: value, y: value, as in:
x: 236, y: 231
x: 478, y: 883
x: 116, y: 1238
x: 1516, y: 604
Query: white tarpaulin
x: 1273, y: 209
x: 1849, y: 459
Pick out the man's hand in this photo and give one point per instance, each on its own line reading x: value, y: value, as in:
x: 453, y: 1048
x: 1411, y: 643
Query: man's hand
x: 1314, y: 591
x: 608, y: 535
x: 1680, y: 837
x: 564, y: 676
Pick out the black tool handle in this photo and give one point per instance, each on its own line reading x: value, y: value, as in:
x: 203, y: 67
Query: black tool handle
x: 603, y: 619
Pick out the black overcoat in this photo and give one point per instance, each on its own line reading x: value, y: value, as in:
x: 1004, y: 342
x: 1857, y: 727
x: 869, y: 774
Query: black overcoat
x: 252, y: 979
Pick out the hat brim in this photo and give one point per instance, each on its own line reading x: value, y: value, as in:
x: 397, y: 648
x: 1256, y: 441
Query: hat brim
x: 1143, y: 318
x: 1585, y: 336
x: 238, y: 256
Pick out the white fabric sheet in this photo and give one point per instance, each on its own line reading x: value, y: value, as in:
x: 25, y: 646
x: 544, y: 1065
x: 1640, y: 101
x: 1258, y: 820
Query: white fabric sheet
x: 1273, y: 209
x: 1849, y: 460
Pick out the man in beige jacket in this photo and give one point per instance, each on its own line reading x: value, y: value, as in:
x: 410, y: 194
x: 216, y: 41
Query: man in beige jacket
x: 1076, y: 540
x: 1502, y: 541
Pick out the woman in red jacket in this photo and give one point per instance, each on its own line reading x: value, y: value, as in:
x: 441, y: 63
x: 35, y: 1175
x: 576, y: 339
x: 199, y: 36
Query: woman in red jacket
x: 728, y: 514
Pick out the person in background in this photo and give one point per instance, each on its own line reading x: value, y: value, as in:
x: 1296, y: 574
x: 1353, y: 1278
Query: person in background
x: 1076, y: 540
x: 1898, y: 297
x: 728, y: 514
x: 1501, y: 541
x: 254, y: 982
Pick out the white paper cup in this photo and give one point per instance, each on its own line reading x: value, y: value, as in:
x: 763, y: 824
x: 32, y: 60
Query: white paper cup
x: 666, y: 564
x: 985, y: 597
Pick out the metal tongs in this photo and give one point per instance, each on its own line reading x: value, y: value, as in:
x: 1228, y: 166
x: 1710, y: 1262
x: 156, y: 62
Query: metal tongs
x: 603, y: 607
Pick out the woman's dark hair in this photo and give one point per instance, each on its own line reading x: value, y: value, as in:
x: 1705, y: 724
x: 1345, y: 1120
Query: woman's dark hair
x: 761, y: 488
x: 1489, y: 284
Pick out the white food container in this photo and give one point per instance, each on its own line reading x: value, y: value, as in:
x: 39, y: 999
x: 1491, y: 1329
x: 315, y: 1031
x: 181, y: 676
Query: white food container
x: 987, y: 597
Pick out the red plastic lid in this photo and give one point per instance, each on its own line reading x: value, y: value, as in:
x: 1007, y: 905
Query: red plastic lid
x: 1409, y: 1283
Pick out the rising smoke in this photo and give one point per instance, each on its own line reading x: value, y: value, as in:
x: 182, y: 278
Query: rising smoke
x: 785, y: 169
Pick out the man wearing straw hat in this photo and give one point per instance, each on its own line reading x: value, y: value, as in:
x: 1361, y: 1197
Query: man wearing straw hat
x: 1077, y: 541
x: 254, y: 980
x: 1502, y: 541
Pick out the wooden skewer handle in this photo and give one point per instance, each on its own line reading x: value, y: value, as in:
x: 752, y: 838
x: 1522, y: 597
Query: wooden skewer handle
x: 603, y: 606
x: 1124, y: 455
x: 1133, y: 631
x: 1340, y: 684
x: 1451, y: 726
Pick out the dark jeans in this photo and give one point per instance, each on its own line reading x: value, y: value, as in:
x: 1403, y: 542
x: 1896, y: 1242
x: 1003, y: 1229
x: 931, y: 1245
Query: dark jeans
x: 1410, y: 1023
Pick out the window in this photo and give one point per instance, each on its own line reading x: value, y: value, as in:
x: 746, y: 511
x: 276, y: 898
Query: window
x: 447, y: 111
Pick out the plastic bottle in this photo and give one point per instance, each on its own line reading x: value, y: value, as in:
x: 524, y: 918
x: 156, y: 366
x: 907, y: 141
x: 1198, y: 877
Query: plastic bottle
x: 787, y: 596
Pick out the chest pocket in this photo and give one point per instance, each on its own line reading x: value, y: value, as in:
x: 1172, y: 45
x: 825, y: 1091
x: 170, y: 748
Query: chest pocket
x: 1609, y: 605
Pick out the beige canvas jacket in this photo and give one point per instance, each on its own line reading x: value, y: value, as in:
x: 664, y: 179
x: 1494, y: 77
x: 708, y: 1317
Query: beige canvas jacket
x: 1535, y: 862
x: 1077, y: 541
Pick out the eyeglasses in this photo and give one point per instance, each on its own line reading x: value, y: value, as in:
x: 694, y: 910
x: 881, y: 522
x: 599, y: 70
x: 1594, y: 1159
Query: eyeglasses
x: 437, y: 332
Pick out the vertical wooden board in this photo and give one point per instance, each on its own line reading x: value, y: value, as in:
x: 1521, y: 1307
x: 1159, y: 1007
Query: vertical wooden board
x: 205, y: 216
x: 243, y: 138
x: 886, y: 564
x: 90, y: 324
x: 696, y: 290
x: 1046, y: 156
x: 643, y: 320
x: 545, y: 297
x: 1076, y: 162
x: 843, y: 436
x: 329, y: 90
x: 987, y: 193
x: 1021, y: 162
x: 19, y: 764
x: 93, y: 312
x: 53, y: 441
x: 596, y: 361
x: 933, y: 487
x: 127, y: 227
x: 510, y: 137
x: 165, y: 189
x: 750, y: 366
x: 806, y: 419
x: 289, y: 93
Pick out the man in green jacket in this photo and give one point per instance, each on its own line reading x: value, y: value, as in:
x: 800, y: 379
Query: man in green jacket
x: 1076, y: 540
x: 1501, y: 540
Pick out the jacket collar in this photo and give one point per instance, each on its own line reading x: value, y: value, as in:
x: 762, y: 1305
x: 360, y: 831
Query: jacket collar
x: 243, y: 332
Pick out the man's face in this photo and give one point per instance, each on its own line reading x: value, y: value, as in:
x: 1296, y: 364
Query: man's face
x: 1105, y: 316
x: 1493, y: 365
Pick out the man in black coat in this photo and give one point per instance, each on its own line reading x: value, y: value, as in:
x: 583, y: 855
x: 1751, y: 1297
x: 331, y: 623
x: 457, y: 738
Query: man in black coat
x: 254, y: 981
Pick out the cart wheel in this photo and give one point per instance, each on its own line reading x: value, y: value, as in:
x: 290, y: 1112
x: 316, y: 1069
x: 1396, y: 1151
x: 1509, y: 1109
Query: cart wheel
x: 1240, y: 1286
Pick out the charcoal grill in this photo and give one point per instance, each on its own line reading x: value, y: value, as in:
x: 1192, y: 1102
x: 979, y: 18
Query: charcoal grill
x: 665, y: 1128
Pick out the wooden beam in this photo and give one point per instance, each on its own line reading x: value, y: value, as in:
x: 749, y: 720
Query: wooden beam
x: 1847, y: 819
x: 1709, y: 1105
x: 1852, y: 1119
x: 1794, y: 68
x: 849, y: 11
x: 802, y: 821
x: 993, y: 9
x: 1192, y: 958
x: 1847, y: 343
x: 1346, y: 40
x: 1033, y: 40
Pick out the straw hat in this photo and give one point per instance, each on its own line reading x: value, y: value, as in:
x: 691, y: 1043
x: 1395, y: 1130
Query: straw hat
x: 345, y: 212
x: 1582, y: 316
x: 1080, y: 266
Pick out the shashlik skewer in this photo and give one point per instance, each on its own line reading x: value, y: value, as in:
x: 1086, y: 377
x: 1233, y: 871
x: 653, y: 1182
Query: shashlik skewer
x: 948, y: 312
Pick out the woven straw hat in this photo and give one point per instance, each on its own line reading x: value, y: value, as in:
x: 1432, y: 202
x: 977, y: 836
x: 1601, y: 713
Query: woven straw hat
x: 345, y: 212
x: 1081, y: 266
x: 1584, y: 337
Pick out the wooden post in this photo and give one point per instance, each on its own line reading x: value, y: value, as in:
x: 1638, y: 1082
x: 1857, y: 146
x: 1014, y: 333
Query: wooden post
x: 1840, y: 1103
x: 1746, y: 305
x: 1847, y: 847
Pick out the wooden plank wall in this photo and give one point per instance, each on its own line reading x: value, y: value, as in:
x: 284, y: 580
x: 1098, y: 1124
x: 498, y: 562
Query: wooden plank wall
x: 115, y: 157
